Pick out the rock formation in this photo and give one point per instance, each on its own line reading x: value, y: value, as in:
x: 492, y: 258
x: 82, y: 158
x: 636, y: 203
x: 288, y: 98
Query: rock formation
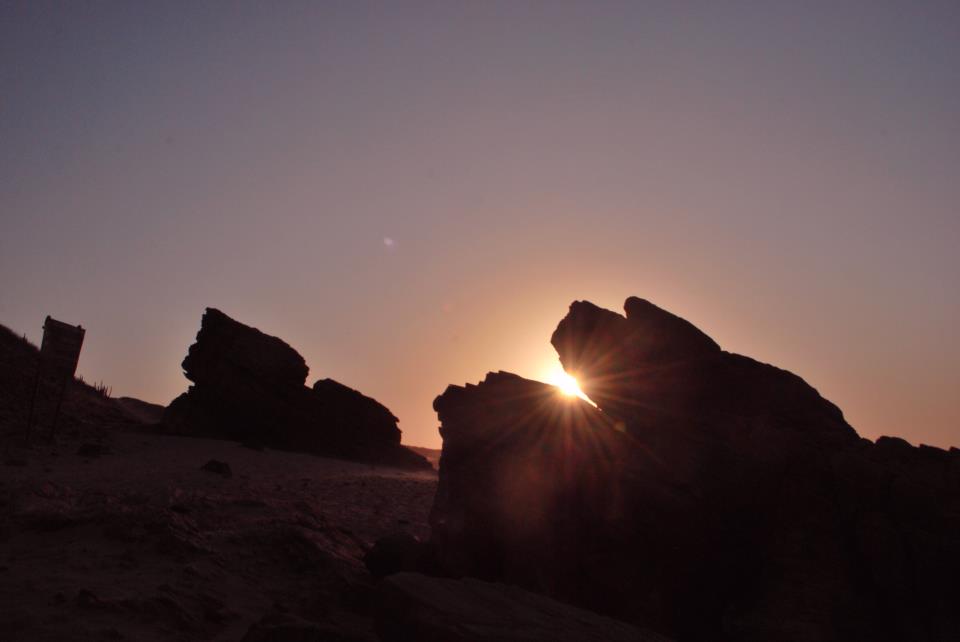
x: 708, y: 497
x: 249, y: 387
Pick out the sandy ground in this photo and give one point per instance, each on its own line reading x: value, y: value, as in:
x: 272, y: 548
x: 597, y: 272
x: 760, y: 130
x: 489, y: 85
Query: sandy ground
x: 141, y: 544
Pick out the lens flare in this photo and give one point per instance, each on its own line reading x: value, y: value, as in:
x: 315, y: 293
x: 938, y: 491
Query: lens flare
x: 566, y: 383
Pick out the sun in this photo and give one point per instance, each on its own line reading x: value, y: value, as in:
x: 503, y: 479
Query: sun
x: 566, y: 383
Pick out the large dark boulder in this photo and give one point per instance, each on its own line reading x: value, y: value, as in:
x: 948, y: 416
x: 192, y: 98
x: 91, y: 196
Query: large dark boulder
x: 709, y: 496
x: 653, y: 369
x: 249, y: 387
x: 393, y: 554
x: 357, y: 413
x: 226, y: 348
x: 540, y: 489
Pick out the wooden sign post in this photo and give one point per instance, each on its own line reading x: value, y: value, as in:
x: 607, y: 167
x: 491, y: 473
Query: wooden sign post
x: 59, y: 355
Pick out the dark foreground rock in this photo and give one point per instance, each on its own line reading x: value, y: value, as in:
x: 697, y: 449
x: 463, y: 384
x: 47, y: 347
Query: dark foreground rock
x: 393, y: 554
x: 218, y: 467
x: 709, y: 497
x: 249, y: 387
x: 414, y: 607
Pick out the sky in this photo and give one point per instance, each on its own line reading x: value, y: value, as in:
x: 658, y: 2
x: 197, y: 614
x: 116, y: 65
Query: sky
x: 411, y: 194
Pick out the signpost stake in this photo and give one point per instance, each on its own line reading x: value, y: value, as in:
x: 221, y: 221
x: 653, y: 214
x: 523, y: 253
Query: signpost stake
x: 56, y: 413
x: 33, y: 403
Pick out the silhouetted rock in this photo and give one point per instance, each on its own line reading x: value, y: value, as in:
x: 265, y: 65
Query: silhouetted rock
x: 532, y: 492
x: 249, y: 387
x: 218, y: 467
x: 355, y: 413
x: 393, y: 554
x: 413, y: 607
x: 225, y: 347
x: 709, y: 496
x: 652, y: 368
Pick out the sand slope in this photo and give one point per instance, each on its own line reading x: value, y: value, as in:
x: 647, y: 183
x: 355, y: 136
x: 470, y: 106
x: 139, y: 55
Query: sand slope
x: 141, y: 544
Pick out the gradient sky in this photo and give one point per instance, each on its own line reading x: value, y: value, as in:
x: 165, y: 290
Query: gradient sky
x: 411, y: 194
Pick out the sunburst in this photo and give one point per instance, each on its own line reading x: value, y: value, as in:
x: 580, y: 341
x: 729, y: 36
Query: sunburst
x: 565, y: 382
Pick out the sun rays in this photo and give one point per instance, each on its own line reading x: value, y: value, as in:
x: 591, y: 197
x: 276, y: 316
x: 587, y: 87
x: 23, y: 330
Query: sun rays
x: 566, y: 383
